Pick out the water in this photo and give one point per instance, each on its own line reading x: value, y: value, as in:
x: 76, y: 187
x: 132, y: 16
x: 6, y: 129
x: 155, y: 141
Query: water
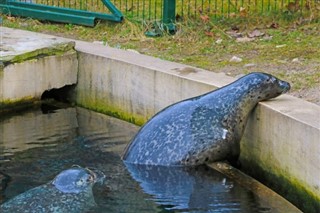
x: 37, y: 144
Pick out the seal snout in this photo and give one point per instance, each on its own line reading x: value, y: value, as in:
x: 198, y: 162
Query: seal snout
x: 285, y: 86
x: 98, y: 175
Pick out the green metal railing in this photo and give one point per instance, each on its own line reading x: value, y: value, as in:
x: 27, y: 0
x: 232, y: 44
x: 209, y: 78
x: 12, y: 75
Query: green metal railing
x: 153, y: 9
x: 70, y: 11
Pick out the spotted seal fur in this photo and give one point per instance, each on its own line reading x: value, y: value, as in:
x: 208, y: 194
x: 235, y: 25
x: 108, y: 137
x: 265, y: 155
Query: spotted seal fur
x: 70, y: 191
x: 205, y: 128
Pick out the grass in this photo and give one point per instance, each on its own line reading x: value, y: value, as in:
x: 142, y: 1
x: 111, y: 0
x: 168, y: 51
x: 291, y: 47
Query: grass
x: 290, y: 50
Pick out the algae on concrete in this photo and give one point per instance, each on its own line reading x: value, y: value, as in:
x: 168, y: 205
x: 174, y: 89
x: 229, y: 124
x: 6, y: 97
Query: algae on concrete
x: 287, y: 186
x: 18, y: 45
x: 32, y: 63
x: 55, y: 49
x: 17, y: 105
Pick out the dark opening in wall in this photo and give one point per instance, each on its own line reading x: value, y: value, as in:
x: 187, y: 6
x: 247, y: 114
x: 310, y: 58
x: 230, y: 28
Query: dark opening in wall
x: 64, y: 94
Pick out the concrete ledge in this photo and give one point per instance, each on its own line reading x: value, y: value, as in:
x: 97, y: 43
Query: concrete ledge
x: 33, y: 63
x: 281, y: 139
x: 19, y: 45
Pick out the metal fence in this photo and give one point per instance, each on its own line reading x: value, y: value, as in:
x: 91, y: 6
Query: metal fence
x: 154, y: 10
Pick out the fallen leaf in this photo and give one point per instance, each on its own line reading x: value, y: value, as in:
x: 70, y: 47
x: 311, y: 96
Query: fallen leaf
x: 10, y: 18
x: 232, y: 15
x: 255, y: 33
x: 235, y: 28
x: 267, y: 38
x: 219, y: 41
x: 274, y: 25
x: 244, y: 39
x: 178, y: 17
x: 208, y: 33
x: 235, y: 59
x: 243, y: 12
x: 296, y: 60
x: 249, y: 65
x: 234, y: 34
x: 204, y: 18
x: 281, y: 45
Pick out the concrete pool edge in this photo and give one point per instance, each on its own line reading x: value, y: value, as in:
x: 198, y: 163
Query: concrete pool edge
x: 32, y: 63
x: 281, y: 136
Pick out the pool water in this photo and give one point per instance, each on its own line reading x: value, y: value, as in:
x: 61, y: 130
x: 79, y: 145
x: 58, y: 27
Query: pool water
x: 37, y: 144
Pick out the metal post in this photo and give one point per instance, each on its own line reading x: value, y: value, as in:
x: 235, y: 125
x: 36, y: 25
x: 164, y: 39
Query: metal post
x: 169, y: 15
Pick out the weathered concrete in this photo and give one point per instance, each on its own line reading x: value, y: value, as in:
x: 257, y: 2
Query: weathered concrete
x: 281, y: 138
x: 33, y: 63
x: 134, y: 87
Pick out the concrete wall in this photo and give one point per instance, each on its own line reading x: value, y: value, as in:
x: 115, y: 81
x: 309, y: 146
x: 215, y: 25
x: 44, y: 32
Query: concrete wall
x: 32, y: 63
x: 281, y: 140
x: 29, y: 79
x: 281, y: 146
x: 134, y: 87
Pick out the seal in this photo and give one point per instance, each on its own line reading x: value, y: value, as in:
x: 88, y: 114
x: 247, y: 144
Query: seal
x: 70, y: 191
x: 205, y: 128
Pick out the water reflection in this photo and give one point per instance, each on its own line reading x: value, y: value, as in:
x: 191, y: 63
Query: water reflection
x: 197, y: 189
x: 37, y: 144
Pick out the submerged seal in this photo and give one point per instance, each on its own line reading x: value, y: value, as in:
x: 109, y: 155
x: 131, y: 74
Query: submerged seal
x: 205, y: 128
x: 70, y: 191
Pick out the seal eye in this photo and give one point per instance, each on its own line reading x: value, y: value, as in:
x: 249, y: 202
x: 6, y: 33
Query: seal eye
x: 80, y: 182
x: 271, y: 79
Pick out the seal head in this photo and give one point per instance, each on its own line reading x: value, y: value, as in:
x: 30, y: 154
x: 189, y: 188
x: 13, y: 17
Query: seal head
x: 70, y: 191
x: 205, y: 128
x: 77, y: 179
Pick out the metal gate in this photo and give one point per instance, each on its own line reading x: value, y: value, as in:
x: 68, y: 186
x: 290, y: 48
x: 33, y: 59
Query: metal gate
x: 83, y: 12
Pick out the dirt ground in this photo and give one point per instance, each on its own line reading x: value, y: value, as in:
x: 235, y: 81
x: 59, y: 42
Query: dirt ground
x: 311, y: 94
x: 290, y: 51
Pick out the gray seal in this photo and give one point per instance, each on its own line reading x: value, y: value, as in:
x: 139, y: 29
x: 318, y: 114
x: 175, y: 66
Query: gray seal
x: 70, y: 191
x: 205, y: 128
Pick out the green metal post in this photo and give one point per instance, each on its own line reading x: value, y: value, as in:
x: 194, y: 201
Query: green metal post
x: 113, y: 9
x: 169, y: 15
x: 59, y: 14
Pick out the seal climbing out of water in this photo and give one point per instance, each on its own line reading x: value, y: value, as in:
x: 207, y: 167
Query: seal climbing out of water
x: 205, y: 128
x: 70, y: 191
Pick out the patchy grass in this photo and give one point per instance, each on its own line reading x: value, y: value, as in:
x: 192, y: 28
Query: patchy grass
x: 289, y: 49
